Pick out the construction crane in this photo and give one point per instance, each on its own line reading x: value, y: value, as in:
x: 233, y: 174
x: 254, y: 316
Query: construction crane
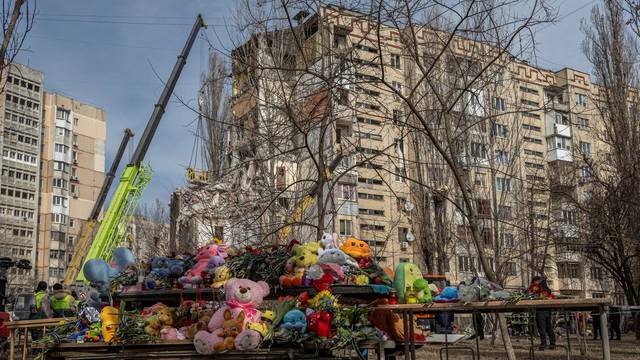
x: 82, y: 246
x: 136, y: 176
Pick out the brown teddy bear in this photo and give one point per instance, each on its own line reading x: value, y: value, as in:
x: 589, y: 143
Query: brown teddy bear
x: 204, y: 317
x: 162, y: 318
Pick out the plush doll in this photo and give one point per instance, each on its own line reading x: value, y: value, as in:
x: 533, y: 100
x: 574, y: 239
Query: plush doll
x: 176, y: 268
x: 194, y: 276
x: 303, y: 257
x: 100, y: 274
x: 214, y: 263
x: 336, y: 256
x: 158, y: 277
x: 329, y: 241
x: 220, y: 276
x: 242, y: 295
x: 357, y: 249
x: 202, y: 324
x: 294, y: 320
x: 448, y: 294
x: 266, y: 321
x: 163, y: 318
x: 170, y: 333
x: 231, y: 328
x: 405, y: 275
x: 110, y: 323
x: 319, y: 323
x: 423, y: 292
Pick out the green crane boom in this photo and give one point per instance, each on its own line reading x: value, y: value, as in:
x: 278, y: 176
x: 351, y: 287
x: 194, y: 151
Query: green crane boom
x: 136, y: 175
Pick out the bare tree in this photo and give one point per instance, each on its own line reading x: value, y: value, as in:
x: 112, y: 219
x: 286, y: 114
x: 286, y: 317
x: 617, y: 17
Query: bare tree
x: 149, y: 231
x: 611, y: 211
x: 17, y: 21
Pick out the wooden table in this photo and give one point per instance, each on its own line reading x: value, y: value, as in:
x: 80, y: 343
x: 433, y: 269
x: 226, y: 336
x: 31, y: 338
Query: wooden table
x: 184, y: 349
x: 15, y: 326
x: 560, y: 305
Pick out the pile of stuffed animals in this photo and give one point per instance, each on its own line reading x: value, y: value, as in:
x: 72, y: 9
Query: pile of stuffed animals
x: 242, y: 322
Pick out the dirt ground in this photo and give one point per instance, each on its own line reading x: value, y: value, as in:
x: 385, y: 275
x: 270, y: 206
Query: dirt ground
x: 626, y: 349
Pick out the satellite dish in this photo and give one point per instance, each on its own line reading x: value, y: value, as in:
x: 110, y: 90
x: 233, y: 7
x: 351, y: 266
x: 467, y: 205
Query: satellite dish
x: 410, y: 237
x: 408, y: 206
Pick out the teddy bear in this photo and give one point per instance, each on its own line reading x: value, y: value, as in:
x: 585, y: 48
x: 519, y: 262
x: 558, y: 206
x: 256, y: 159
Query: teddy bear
x: 162, y: 319
x: 158, y: 277
x: 242, y: 295
x: 204, y: 317
x: 194, y: 276
x: 303, y: 257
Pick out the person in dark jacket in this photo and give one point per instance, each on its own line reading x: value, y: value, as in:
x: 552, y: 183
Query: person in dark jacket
x: 595, y: 317
x: 540, y: 288
x: 614, y: 323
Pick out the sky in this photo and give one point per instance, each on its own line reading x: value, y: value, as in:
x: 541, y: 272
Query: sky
x: 111, y: 53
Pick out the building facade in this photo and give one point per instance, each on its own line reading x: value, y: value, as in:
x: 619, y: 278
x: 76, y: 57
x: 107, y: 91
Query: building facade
x: 19, y: 183
x: 73, y: 165
x: 518, y: 135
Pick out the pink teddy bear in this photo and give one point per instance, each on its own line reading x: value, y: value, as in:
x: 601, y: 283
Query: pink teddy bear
x: 193, y: 277
x: 241, y: 295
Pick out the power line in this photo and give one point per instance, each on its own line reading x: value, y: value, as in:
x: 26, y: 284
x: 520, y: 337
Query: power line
x: 122, y: 22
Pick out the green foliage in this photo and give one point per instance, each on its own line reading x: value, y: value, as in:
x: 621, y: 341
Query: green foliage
x: 131, y: 330
x: 266, y: 265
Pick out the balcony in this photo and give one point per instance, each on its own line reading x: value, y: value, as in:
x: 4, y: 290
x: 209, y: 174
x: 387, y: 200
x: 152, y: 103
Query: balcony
x: 559, y: 154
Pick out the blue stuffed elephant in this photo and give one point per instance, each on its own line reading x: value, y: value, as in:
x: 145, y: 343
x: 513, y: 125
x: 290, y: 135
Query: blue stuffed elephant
x: 99, y: 273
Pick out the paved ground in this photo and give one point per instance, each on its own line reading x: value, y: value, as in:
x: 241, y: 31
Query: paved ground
x: 627, y: 349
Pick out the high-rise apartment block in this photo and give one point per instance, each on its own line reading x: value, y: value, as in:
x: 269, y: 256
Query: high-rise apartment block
x: 521, y: 141
x: 73, y: 162
x: 19, y: 183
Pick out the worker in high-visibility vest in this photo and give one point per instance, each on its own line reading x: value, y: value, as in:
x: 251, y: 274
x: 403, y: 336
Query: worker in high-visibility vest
x: 41, y: 307
x: 62, y: 303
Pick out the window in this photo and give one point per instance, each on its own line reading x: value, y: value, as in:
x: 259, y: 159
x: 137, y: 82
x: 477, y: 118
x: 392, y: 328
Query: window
x: 507, y: 240
x: 56, y: 272
x: 60, y: 148
x: 533, y: 165
x: 395, y: 61
x: 402, y: 234
x: 397, y: 116
x: 60, y: 166
x: 369, y: 121
x: 562, y: 119
x: 498, y: 104
x: 528, y: 90
x: 347, y: 192
x: 510, y: 268
x: 362, y: 195
x: 583, y: 123
x: 59, y: 218
x: 531, y: 115
x: 570, y: 217
x: 374, y: 212
x: 503, y: 184
x: 466, y: 264
x: 585, y: 148
x: 529, y: 103
x: 477, y: 150
x: 398, y: 86
x: 371, y: 227
x: 483, y: 207
x: 281, y: 178
x: 72, y: 222
x: 62, y: 114
x: 400, y: 174
x: 569, y: 270
x: 531, y: 127
x: 585, y: 172
x: 596, y: 273
x: 500, y: 130
x: 60, y: 201
x: 481, y: 180
x: 561, y: 143
x: 341, y: 132
x: 345, y: 227
x: 369, y: 181
x: 504, y: 212
x: 532, y: 140
x: 581, y: 100
x: 599, y: 295
x: 502, y: 157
